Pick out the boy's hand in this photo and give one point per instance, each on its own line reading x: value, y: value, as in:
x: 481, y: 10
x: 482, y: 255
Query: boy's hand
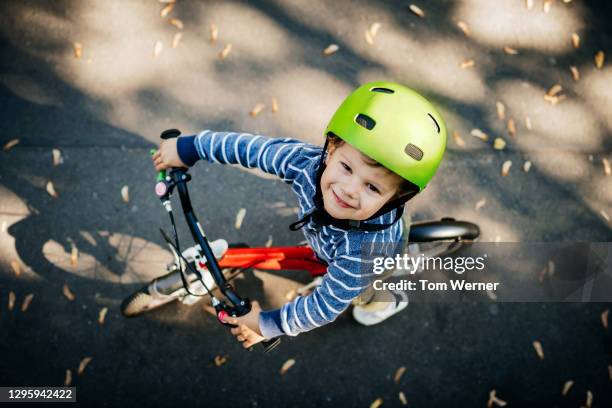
x: 247, y: 331
x: 167, y: 156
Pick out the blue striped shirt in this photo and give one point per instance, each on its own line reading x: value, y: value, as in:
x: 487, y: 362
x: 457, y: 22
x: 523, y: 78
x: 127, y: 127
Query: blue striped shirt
x: 296, y: 163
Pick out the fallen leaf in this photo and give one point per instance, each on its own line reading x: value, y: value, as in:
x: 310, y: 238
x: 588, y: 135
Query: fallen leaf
x: 491, y: 295
x: 16, y: 267
x: 68, y: 293
x: 51, y: 190
x: 77, y: 49
x: 176, y: 22
x: 9, y: 145
x: 368, y: 37
x: 239, y: 218
x: 506, y: 168
x: 68, y: 379
x: 528, y: 4
x: 526, y: 166
x: 510, y: 50
x: 167, y: 1
x: 417, y: 10
x: 606, y: 165
x: 575, y: 40
x: 528, y: 122
x: 458, y: 139
x: 604, y: 318
x: 268, y: 243
x: 102, y: 315
x: 176, y: 39
x: 158, y: 48
x: 257, y: 109
x: 599, y: 59
x: 374, y: 29
x: 575, y: 73
x: 377, y: 403
x: 511, y: 127
x: 74, y: 254
x: 605, y: 215
x: 398, y: 374
x: 538, y: 348
x: 11, y: 300
x: 464, y: 27
x: 589, y: 401
x: 166, y: 10
x: 546, y: 5
x: 286, y: 366
x: 481, y: 203
x: 331, y: 48
x: 220, y: 360
x: 225, y: 52
x: 554, y: 99
x: 83, y: 365
x: 57, y: 157
x: 26, y: 302
x: 499, y: 143
x: 494, y: 400
x: 125, y: 194
x: 554, y: 90
x: 566, y: 387
x: 501, y: 110
x: 479, y: 134
x: 214, y: 31
x: 402, y: 398
x: 274, y: 105
x: 467, y: 64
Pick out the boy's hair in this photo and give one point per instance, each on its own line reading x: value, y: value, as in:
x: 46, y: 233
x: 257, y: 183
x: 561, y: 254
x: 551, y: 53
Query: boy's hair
x: 405, y: 187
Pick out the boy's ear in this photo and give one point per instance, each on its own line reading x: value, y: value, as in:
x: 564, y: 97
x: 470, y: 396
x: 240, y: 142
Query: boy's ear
x: 330, y: 151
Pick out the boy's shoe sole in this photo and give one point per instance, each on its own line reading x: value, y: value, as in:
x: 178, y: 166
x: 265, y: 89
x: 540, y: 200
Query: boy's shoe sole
x: 368, y: 318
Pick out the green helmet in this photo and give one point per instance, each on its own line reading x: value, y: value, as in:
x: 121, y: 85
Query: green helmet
x: 395, y: 126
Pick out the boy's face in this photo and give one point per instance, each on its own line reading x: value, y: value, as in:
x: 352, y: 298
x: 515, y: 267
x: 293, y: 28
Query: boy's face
x: 352, y: 187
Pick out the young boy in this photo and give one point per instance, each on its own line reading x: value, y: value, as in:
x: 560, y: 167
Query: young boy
x: 383, y: 145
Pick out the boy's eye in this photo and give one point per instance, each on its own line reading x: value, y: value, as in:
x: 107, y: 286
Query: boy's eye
x: 347, y: 168
x: 373, y: 188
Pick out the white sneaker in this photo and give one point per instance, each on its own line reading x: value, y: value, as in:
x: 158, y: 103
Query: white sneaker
x: 369, y: 318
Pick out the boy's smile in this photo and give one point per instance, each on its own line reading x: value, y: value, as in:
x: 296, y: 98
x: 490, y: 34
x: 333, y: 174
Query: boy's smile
x: 353, y: 186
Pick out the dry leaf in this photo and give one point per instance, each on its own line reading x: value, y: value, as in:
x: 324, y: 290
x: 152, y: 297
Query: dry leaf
x: 575, y: 73
x: 398, y: 374
x: 214, y: 32
x: 528, y: 122
x: 494, y: 400
x: 566, y: 387
x: 377, y: 403
x: 479, y: 134
x: 467, y: 64
x: 526, y: 166
x: 16, y: 267
x: 589, y: 401
x: 26, y: 302
x: 176, y: 39
x: 510, y: 50
x: 464, y: 27
x: 546, y: 6
x: 166, y: 10
x: 501, y: 110
x: 331, y: 48
x: 220, y: 360
x: 74, y: 254
x: 554, y: 90
x: 575, y: 40
x: 157, y: 49
x: 528, y: 4
x: 83, y: 365
x: 481, y: 203
x: 257, y: 109
x: 51, y: 190
x: 9, y: 145
x: 511, y: 127
x: 102, y: 315
x: 225, y: 52
x: 368, y: 37
x: 274, y: 105
x: 77, y: 48
x: 125, y: 194
x: 286, y: 366
x: 417, y: 10
x: 606, y: 164
x: 402, y: 398
x: 176, y: 22
x: 605, y: 215
x: 268, y: 243
x: 599, y: 59
x: 506, y: 168
x: 374, y: 29
x: 239, y: 218
x: 68, y: 293
x: 499, y: 143
x: 11, y: 300
x: 57, y: 157
x: 604, y: 318
x: 68, y: 379
x: 458, y: 139
x: 538, y: 348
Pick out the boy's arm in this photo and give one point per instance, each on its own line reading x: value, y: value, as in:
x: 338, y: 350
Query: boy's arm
x: 282, y: 157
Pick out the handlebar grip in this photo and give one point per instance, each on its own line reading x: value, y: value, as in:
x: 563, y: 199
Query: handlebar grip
x: 161, y: 175
x: 170, y: 133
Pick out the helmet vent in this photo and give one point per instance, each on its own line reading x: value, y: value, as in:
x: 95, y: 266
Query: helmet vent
x: 435, y: 122
x: 383, y: 90
x: 365, y: 121
x: 413, y: 151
